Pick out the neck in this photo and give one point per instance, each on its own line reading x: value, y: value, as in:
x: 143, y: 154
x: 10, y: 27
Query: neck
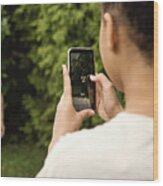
x: 138, y: 89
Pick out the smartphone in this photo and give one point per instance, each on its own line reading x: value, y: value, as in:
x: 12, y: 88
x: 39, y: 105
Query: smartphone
x: 81, y: 66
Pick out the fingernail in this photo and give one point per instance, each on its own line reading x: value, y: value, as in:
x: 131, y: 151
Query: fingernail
x: 92, y: 77
x: 63, y: 67
x: 92, y: 112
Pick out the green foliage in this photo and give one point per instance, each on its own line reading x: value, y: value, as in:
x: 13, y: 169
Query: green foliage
x: 38, y: 37
x: 35, y: 40
x: 21, y: 161
x: 121, y: 98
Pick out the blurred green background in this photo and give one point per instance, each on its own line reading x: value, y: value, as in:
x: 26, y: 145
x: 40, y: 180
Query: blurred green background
x: 35, y: 40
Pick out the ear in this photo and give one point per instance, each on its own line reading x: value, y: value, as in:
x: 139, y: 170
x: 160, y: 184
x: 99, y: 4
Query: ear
x: 111, y: 34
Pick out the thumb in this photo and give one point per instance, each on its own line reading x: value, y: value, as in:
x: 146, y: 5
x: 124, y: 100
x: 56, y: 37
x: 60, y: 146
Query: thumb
x: 84, y: 114
x: 66, y: 82
x: 102, y: 79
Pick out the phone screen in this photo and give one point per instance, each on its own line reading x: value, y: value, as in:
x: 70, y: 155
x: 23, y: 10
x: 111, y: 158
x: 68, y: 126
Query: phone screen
x: 81, y: 65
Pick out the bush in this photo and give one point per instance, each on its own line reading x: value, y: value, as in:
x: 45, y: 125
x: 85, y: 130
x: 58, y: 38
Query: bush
x: 35, y: 40
x: 24, y: 160
x: 40, y: 36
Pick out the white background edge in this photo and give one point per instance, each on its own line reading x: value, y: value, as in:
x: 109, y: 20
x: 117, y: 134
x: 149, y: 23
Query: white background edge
x: 79, y: 182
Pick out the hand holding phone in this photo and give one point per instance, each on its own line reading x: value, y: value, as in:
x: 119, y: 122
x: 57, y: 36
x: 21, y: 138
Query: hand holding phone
x: 107, y: 103
x: 67, y: 119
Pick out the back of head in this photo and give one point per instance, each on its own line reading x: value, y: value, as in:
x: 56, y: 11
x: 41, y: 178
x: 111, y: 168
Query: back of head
x: 139, y: 18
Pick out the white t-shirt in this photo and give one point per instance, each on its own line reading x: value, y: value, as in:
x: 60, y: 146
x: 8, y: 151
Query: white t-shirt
x: 119, y: 149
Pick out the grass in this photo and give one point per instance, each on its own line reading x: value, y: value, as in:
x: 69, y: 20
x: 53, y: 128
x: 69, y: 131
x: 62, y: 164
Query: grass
x: 23, y: 160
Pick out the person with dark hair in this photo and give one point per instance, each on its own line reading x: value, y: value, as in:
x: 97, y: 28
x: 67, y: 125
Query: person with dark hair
x: 121, y: 148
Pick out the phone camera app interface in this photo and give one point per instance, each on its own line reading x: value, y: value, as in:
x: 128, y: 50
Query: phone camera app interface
x: 81, y: 66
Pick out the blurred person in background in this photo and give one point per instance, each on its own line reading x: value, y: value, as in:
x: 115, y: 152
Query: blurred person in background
x: 2, y: 118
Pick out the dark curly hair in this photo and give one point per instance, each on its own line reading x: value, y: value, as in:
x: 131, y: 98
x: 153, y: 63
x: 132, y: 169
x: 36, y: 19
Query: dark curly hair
x: 139, y: 17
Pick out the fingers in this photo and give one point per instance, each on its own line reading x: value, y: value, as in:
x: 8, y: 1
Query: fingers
x: 102, y: 84
x: 67, y: 82
x: 102, y: 79
x: 84, y: 114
